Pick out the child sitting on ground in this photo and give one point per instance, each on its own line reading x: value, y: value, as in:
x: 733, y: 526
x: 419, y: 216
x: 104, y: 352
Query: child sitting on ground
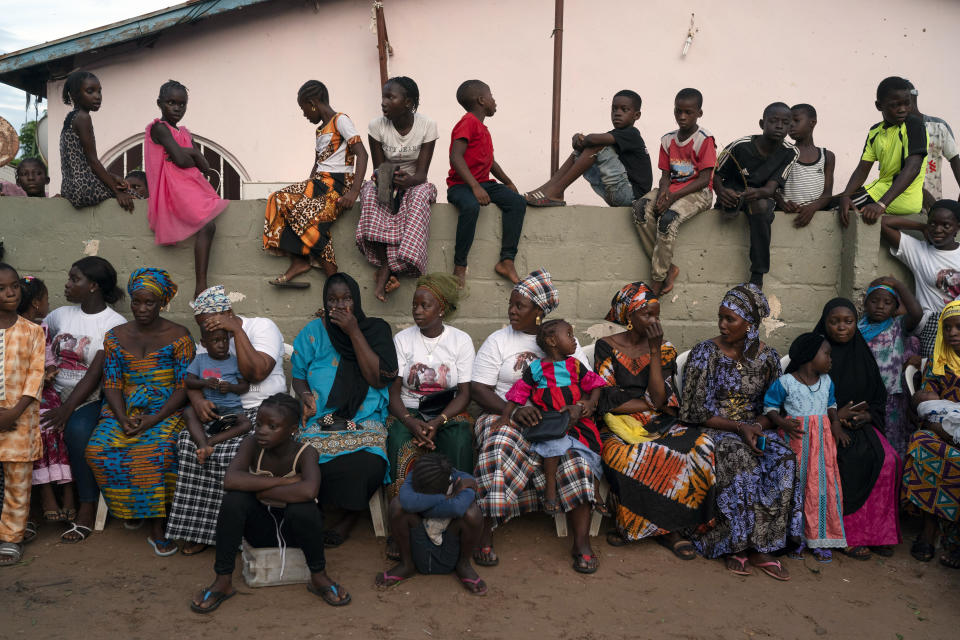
x: 85, y: 180
x: 558, y: 383
x: 137, y: 182
x: 809, y: 186
x: 888, y: 336
x: 271, y: 496
x: 749, y: 172
x: 469, y: 185
x: 805, y: 396
x: 436, y: 524
x: 899, y: 144
x: 217, y: 373
x: 615, y: 163
x: 53, y: 467
x: 20, y: 392
x: 32, y: 177
x: 183, y: 203
x: 687, y: 158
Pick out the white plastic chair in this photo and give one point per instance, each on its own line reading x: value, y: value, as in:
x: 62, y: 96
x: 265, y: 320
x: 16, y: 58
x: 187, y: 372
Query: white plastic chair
x: 784, y: 363
x: 560, y: 519
x: 678, y: 377
x: 589, y: 351
x: 910, y: 374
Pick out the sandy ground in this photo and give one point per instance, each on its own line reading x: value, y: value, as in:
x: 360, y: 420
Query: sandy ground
x: 112, y: 586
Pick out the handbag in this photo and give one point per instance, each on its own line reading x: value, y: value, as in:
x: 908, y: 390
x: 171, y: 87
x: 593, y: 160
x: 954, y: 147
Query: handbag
x: 222, y: 423
x: 433, y: 404
x: 552, y: 425
x: 331, y: 422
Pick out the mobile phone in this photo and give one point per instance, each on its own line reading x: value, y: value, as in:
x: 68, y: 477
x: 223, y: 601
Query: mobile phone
x: 761, y: 442
x: 860, y: 406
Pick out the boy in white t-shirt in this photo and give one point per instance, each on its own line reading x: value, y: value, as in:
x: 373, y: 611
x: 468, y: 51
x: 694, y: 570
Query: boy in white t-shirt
x: 934, y: 261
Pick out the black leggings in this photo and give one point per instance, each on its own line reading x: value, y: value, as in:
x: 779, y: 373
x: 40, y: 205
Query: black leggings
x: 350, y: 480
x: 243, y: 516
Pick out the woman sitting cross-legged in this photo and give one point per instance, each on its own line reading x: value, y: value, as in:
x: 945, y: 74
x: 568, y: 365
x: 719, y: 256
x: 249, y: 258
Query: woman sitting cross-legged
x: 342, y: 366
x: 271, y: 498
x: 661, y: 472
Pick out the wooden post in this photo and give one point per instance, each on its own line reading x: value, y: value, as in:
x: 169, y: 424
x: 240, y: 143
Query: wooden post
x: 382, y: 43
x: 557, y: 63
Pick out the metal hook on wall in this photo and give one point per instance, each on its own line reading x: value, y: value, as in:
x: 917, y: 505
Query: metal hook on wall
x: 691, y: 31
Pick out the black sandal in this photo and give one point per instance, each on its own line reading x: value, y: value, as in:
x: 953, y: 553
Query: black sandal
x: 333, y: 538
x: 683, y: 549
x: 218, y: 598
x: 331, y: 594
x: 29, y: 532
x: 950, y: 560
x: 585, y: 563
x: 922, y: 551
x: 614, y: 539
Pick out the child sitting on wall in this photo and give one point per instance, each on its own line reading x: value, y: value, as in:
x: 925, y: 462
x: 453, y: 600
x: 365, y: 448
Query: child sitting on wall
x: 809, y: 186
x: 749, y: 172
x: 615, y: 163
x: 469, y: 185
x: 687, y: 158
x: 32, y: 177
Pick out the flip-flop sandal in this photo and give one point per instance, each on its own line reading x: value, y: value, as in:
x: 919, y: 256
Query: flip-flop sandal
x: 601, y: 508
x: 132, y: 525
x: 388, y: 580
x: 776, y: 575
x: 79, y: 529
x: 585, y: 563
x: 218, y: 598
x: 282, y: 283
x: 332, y: 539
x: 330, y: 595
x: 156, y: 547
x: 185, y: 552
x: 823, y: 556
x: 29, y: 532
x: 861, y: 553
x: 738, y: 565
x: 922, y: 551
x: 683, y: 549
x: 10, y: 553
x: 542, y: 201
x: 485, y: 557
x: 614, y: 539
x: 551, y: 507
x: 71, y: 514
x: 474, y: 586
x: 53, y: 515
x: 950, y: 560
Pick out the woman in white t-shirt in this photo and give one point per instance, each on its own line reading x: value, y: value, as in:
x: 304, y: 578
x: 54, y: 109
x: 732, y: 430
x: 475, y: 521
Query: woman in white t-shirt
x: 258, y: 345
x: 76, y: 336
x: 435, y: 362
x: 934, y: 261
x: 395, y: 221
x: 507, y: 468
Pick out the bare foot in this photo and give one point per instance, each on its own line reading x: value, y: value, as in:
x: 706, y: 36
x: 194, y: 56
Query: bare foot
x: 380, y: 284
x: 329, y: 268
x: 672, y: 274
x: 655, y: 288
x: 461, y: 273
x: 298, y: 267
x: 506, y: 270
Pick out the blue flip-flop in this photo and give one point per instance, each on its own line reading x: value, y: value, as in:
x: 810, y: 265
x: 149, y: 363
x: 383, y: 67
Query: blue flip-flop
x: 156, y: 547
x: 218, y: 598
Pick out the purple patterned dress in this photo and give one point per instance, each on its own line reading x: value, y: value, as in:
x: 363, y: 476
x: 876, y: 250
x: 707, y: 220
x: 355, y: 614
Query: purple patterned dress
x: 891, y: 348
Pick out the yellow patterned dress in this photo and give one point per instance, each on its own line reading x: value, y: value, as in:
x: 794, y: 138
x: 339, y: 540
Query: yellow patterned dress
x: 138, y: 474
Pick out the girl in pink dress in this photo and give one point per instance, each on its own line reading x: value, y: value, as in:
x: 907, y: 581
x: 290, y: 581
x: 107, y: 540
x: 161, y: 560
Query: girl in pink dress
x: 182, y: 203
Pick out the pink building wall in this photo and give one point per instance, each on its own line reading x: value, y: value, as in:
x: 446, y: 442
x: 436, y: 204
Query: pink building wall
x: 243, y: 71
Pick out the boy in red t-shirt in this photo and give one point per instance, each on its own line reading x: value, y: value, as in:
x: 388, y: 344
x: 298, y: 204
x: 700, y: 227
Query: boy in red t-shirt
x: 469, y: 185
x: 687, y: 159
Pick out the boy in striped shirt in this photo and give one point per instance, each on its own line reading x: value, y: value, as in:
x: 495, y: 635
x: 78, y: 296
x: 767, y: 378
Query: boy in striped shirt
x: 809, y: 186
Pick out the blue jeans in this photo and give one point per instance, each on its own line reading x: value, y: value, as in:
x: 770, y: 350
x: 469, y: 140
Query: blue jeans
x: 512, y: 205
x: 81, y: 424
x: 608, y: 177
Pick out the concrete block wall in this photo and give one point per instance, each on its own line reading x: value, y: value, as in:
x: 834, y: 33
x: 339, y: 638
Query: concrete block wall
x: 591, y: 252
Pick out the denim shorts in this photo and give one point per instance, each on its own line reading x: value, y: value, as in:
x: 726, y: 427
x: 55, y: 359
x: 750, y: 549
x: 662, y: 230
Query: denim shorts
x: 608, y: 177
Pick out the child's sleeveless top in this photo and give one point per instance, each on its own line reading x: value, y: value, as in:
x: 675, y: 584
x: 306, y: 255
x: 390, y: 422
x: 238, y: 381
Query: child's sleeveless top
x: 267, y: 474
x: 805, y: 182
x: 80, y: 186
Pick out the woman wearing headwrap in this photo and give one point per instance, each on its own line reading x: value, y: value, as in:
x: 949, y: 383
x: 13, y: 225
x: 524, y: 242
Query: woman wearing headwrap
x: 660, y: 471
x: 757, y: 491
x: 132, y: 452
x: 429, y: 397
x: 258, y: 345
x: 931, y: 482
x: 869, y: 467
x: 343, y: 364
x: 508, y: 470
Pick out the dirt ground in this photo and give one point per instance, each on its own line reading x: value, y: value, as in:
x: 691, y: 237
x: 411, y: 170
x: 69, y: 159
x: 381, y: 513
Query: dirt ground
x: 112, y: 586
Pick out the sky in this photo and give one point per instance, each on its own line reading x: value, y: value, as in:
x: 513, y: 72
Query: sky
x: 25, y: 24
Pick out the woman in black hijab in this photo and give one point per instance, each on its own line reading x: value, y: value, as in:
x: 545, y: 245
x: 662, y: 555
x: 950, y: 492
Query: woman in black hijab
x: 869, y: 467
x: 343, y: 363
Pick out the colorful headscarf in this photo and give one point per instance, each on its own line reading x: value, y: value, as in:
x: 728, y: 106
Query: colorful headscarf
x: 156, y: 281
x: 538, y: 287
x: 871, y: 330
x: 747, y: 301
x: 631, y: 297
x: 445, y: 287
x: 212, y: 300
x: 943, y: 354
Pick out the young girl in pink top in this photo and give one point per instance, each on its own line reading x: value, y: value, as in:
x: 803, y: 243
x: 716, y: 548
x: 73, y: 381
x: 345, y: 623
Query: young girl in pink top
x: 182, y: 203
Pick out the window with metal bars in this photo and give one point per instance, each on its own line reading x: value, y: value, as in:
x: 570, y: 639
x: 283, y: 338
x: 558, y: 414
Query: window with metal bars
x: 130, y: 158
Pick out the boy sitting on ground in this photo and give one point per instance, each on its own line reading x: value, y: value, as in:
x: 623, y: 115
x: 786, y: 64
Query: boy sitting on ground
x: 749, y: 172
x: 809, y: 186
x: 436, y: 524
x: 687, y: 158
x: 899, y: 144
x: 616, y: 163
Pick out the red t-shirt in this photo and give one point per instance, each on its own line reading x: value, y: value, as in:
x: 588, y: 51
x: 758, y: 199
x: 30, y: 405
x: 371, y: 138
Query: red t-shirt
x: 479, y: 152
x: 685, y: 160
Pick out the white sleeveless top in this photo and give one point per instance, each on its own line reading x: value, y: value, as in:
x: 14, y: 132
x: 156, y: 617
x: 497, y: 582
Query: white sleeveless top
x: 805, y: 182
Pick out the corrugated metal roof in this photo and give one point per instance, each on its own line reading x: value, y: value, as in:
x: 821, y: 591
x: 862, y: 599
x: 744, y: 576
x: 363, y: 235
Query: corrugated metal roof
x: 30, y: 68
